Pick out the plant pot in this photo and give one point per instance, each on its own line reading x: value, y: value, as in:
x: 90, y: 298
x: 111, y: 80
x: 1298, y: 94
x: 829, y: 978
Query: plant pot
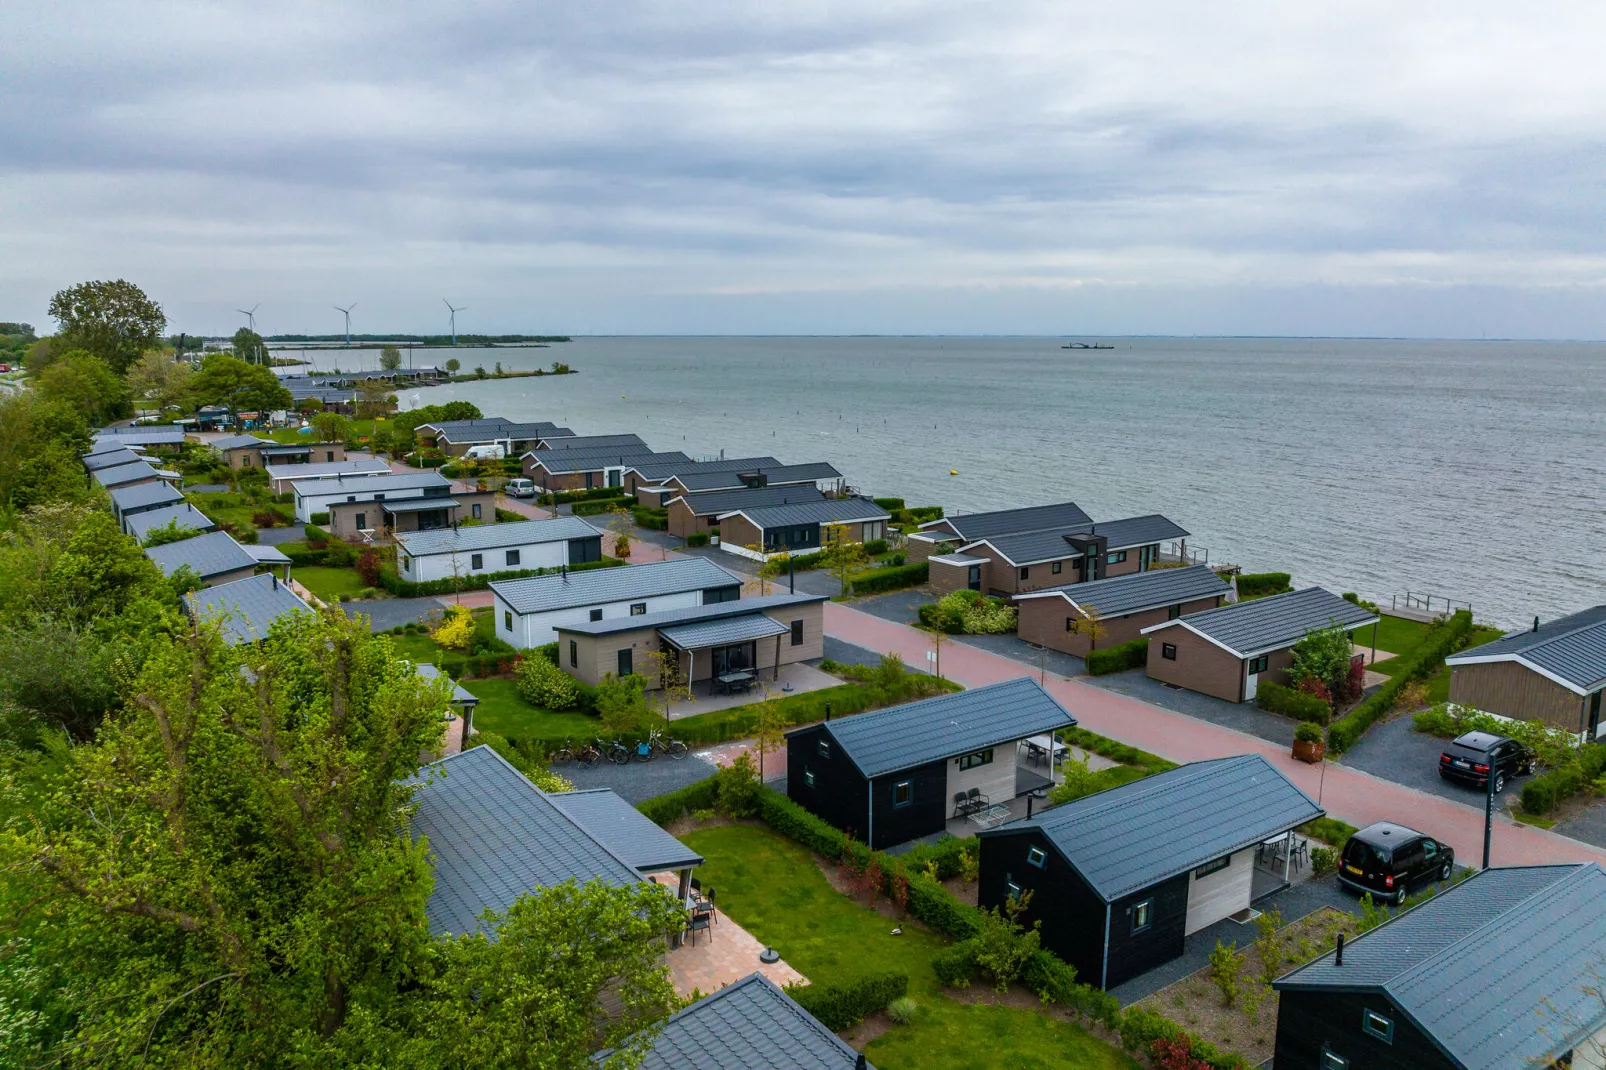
x: 1310, y: 752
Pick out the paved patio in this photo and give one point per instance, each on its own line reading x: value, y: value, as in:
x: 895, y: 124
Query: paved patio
x: 724, y: 954
x: 795, y: 679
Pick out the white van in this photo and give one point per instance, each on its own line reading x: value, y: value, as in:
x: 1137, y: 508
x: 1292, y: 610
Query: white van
x: 485, y: 453
x: 519, y: 488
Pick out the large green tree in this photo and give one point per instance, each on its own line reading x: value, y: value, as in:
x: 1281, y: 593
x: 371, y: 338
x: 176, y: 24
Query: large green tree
x: 86, y: 383
x: 160, y: 379
x: 40, y: 441
x: 248, y: 346
x: 115, y: 321
x: 231, y: 382
x: 390, y: 358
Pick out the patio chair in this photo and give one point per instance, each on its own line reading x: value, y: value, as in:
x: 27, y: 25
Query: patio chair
x: 977, y: 799
x: 961, y: 804
x: 712, y: 909
x: 696, y: 885
x: 699, y: 924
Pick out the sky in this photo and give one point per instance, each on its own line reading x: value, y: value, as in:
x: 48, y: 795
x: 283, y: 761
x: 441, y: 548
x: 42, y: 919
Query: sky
x: 1431, y: 169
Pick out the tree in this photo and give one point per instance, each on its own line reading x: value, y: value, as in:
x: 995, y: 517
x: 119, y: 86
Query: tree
x: 770, y: 732
x: 1323, y: 656
x: 452, y: 365
x: 374, y: 399
x: 40, y: 442
x: 842, y: 554
x: 160, y: 378
x: 622, y: 704
x: 1090, y: 623
x: 170, y: 532
x: 664, y: 667
x: 331, y: 427
x: 248, y: 346
x: 114, y: 321
x: 623, y: 533
x: 84, y: 382
x: 390, y: 358
x: 229, y: 381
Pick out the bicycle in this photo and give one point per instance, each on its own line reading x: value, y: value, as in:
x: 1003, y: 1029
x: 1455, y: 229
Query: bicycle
x: 618, y: 753
x: 672, y: 747
x: 645, y: 751
x: 589, y: 755
x: 564, y: 753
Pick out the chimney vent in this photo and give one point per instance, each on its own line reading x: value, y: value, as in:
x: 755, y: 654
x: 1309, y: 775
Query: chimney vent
x: 1338, y: 958
x: 1536, y: 624
x: 859, y: 1063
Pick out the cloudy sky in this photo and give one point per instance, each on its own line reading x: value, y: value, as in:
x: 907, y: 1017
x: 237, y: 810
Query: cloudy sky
x: 990, y: 167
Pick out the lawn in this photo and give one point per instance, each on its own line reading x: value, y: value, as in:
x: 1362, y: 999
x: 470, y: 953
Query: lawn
x: 771, y: 886
x: 330, y: 583
x: 1394, y: 634
x: 360, y: 429
x: 503, y: 712
x: 1438, y: 684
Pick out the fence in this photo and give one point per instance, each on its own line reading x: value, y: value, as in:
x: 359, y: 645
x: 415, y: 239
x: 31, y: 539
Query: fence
x: 1412, y: 602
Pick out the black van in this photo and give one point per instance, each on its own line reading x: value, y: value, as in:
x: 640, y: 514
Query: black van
x: 1388, y: 860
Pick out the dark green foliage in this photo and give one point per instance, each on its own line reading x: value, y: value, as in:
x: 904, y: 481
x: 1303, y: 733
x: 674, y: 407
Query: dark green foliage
x: 1355, y: 599
x: 665, y: 809
x: 115, y: 321
x: 1119, y: 658
x: 736, y: 788
x: 1329, y: 830
x: 875, y: 547
x: 741, y: 721
x: 925, y: 514
x: 839, y: 1007
x: 956, y: 965
x: 891, y: 505
x: 1423, y: 660
x: 598, y: 506
x: 650, y: 518
x: 1541, y: 794
x: 318, y: 518
x: 1290, y: 702
x: 1141, y: 1027
x: 546, y: 650
x: 401, y: 588
x: 1307, y: 732
x: 890, y: 578
x: 1116, y: 751
x: 697, y: 538
x: 564, y: 497
x: 1259, y: 584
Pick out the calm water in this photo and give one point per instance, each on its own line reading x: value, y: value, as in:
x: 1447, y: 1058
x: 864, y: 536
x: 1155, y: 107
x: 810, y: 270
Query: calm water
x: 1470, y: 470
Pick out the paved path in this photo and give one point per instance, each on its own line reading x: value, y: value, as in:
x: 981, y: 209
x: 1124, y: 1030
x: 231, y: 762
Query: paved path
x: 1350, y: 794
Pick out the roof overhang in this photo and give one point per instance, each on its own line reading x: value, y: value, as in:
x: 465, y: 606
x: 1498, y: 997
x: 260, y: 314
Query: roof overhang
x: 1491, y: 659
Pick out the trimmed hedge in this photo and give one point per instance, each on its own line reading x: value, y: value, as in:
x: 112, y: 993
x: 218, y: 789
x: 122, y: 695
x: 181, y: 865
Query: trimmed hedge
x: 392, y: 582
x: 508, y: 516
x: 1259, y: 584
x: 738, y: 722
x: 564, y: 497
x: 890, y: 578
x: 839, y: 1007
x: 598, y: 506
x: 1133, y: 654
x: 697, y: 538
x: 320, y: 518
x: 1115, y: 751
x: 925, y: 514
x: 1422, y: 660
x: 1291, y: 702
x: 1541, y: 794
x: 956, y: 965
x: 891, y: 505
x: 653, y: 519
x: 876, y: 547
x: 668, y: 808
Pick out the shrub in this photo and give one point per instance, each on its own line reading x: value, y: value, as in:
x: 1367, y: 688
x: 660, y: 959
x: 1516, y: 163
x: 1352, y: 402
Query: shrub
x: 925, y: 514
x: 1003, y: 947
x: 902, y: 1010
x: 890, y: 578
x: 1174, y: 1053
x: 1226, y: 970
x: 1329, y: 830
x: 598, y: 506
x: 320, y: 518
x: 697, y: 538
x: 1308, y: 732
x: 650, y: 518
x: 1276, y: 698
x: 956, y: 965
x: 1115, y: 751
x: 546, y: 650
x: 1141, y: 1027
x: 1259, y: 584
x: 1414, y: 664
x: 541, y: 683
x: 1323, y: 656
x: 875, y: 547
x: 968, y: 613
x: 736, y: 788
x: 267, y: 518
x: 1323, y: 860
x: 891, y: 505
x: 1355, y: 599
x: 1576, y: 768
x: 1133, y: 654
x: 368, y: 567
x: 843, y: 1006
x: 693, y: 797
x: 456, y: 629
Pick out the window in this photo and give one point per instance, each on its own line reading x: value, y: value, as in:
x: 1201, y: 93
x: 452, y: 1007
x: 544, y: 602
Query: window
x: 512, y: 555
x: 1168, y: 651
x: 1056, y: 566
x: 1116, y: 558
x: 1331, y: 1060
x: 507, y: 620
x: 1011, y: 889
x: 797, y: 633
x: 1173, y: 613
x: 379, y: 497
x: 971, y: 761
x: 476, y: 509
x: 903, y: 793
x: 808, y: 778
x: 638, y: 609
x: 715, y: 595
x: 1025, y: 572
x: 245, y: 460
x: 361, y: 520
x: 1070, y: 625
x: 1142, y: 916
x: 1376, y: 1025
x: 351, y: 497
x: 329, y: 455
x: 596, y: 614
x: 1212, y: 867
x: 476, y: 561
x: 1036, y: 856
x: 584, y: 551
x: 1260, y: 664
x: 824, y: 748
x: 626, y: 663
x: 574, y: 653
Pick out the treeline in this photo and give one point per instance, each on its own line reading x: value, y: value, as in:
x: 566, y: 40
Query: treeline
x: 424, y: 339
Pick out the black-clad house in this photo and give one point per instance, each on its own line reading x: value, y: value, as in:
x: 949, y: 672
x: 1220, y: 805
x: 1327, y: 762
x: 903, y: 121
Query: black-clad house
x: 1502, y: 970
x: 893, y: 775
x: 1120, y: 878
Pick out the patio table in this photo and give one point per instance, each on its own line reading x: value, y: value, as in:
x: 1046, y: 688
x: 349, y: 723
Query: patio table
x: 732, y: 680
x: 992, y: 816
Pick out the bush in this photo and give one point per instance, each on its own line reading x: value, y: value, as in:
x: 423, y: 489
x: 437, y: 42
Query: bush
x: 968, y: 613
x: 320, y: 518
x: 736, y: 788
x: 1141, y: 1027
x: 649, y: 518
x: 1420, y: 661
x: 1301, y: 705
x: 1323, y: 860
x: 541, y: 683
x: 925, y: 514
x: 1226, y: 971
x: 891, y: 505
x: 738, y: 722
x: 368, y: 567
x: 546, y: 650
x: 1577, y: 768
x: 956, y: 965
x: 875, y: 547
x: 693, y: 797
x: 1260, y: 584
x: 312, y: 533
x: 598, y: 506
x: 902, y: 1010
x: 842, y: 1006
x: 1308, y: 732
x: 890, y: 578
x: 697, y: 538
x: 1133, y: 654
x: 1330, y: 830
x: 456, y: 630
x: 1355, y: 599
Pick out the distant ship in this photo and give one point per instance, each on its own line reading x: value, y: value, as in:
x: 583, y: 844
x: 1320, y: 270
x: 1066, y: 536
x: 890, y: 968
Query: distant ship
x: 1085, y: 345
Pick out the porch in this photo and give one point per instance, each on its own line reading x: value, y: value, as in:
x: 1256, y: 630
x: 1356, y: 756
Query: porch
x: 723, y: 954
x: 419, y: 514
x: 1279, y: 864
x: 1035, y: 776
x: 794, y: 679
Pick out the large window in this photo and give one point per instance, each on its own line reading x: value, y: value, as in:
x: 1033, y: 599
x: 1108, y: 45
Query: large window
x: 1116, y: 558
x: 626, y: 663
x: 903, y: 793
x: 585, y: 551
x: 1142, y: 916
x: 1260, y: 664
x: 1377, y: 1025
x: 981, y: 757
x: 715, y: 595
x: 797, y: 633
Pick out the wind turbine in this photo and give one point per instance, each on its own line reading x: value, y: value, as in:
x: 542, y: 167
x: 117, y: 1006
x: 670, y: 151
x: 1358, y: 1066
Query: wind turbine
x: 347, y: 311
x: 251, y: 315
x: 454, y: 312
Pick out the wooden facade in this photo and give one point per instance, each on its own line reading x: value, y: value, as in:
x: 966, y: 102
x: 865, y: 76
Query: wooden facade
x: 1046, y: 622
x: 1200, y: 665
x: 1511, y: 689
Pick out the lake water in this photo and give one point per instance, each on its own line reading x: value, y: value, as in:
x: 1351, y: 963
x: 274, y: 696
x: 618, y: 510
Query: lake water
x: 1469, y: 470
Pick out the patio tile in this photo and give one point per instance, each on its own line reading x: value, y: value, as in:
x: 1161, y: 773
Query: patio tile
x: 724, y: 954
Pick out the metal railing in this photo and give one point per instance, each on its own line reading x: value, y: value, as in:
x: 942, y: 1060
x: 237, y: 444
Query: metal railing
x: 1423, y: 602
x: 1188, y: 555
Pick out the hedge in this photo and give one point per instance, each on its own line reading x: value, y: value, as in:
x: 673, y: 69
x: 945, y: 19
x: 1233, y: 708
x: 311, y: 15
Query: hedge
x: 1541, y: 794
x: 1291, y: 702
x: 598, y: 506
x: 1329, y: 830
x: 890, y: 578
x: 1115, y: 751
x: 668, y: 808
x: 508, y: 516
x: 1133, y: 654
x: 892, y: 505
x: 401, y: 588
x: 1421, y: 660
x: 924, y: 514
x: 1258, y: 584
x: 840, y: 1007
x: 738, y: 722
x: 320, y: 518
x: 697, y: 538
x: 564, y: 497
x: 650, y: 518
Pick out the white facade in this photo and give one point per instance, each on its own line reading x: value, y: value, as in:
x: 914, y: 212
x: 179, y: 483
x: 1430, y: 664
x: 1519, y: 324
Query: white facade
x: 526, y: 630
x: 461, y: 563
x: 313, y: 497
x: 1216, y: 895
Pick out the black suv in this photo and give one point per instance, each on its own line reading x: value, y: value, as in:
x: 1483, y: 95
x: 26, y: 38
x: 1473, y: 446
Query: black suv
x: 1470, y: 757
x: 1388, y: 860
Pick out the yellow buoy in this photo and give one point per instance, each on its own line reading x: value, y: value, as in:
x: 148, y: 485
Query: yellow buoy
x: 953, y: 471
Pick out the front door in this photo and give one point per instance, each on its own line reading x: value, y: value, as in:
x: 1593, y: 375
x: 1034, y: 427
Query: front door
x: 1251, y: 678
x: 975, y: 583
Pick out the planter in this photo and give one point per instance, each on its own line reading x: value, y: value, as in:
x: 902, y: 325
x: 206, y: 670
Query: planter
x: 1310, y: 752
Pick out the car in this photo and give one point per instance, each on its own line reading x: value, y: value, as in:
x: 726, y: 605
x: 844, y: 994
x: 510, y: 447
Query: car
x: 1470, y: 757
x: 1388, y: 860
x: 519, y: 488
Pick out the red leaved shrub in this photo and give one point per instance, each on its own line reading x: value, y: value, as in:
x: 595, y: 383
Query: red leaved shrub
x: 1169, y: 1053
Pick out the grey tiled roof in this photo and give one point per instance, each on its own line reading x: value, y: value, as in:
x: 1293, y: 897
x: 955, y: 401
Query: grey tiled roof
x: 1497, y: 970
x: 1050, y: 544
x: 118, y: 475
x: 829, y: 511
x: 541, y: 594
x: 494, y: 427
x: 627, y: 832
x: 931, y: 729
x: 494, y: 536
x: 110, y: 445
x: 596, y: 460
x: 116, y: 458
x: 1130, y: 837
x: 1272, y: 623
x: 494, y: 836
x: 290, y: 449
x: 211, y: 554
x: 418, y: 505
x: 1014, y: 521
x: 246, y: 608
x: 658, y: 471
x: 719, y: 502
x: 328, y: 469
x: 145, y: 435
x: 750, y: 1025
x: 713, y: 611
x: 776, y: 474
x: 184, y: 514
x: 233, y: 442
x: 143, y: 495
x: 368, y: 485
x: 1572, y: 648
x: 460, y: 694
x: 701, y: 635
x: 586, y: 442
x: 1141, y: 590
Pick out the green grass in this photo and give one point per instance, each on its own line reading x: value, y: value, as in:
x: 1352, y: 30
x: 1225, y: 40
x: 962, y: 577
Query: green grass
x: 771, y: 886
x: 1394, y: 634
x: 1438, y: 684
x: 1534, y: 820
x: 502, y: 711
x: 360, y: 429
x: 417, y: 648
x: 329, y: 583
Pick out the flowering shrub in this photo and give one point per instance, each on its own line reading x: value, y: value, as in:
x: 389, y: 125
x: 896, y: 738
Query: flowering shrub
x: 456, y: 629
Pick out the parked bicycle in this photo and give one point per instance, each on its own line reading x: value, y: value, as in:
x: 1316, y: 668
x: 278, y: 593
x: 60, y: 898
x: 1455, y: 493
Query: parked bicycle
x: 589, y: 755
x: 663, y: 745
x: 618, y: 753
x: 564, y: 753
x: 645, y: 751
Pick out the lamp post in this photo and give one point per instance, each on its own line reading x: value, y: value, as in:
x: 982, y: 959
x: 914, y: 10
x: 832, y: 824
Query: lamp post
x: 1488, y: 809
